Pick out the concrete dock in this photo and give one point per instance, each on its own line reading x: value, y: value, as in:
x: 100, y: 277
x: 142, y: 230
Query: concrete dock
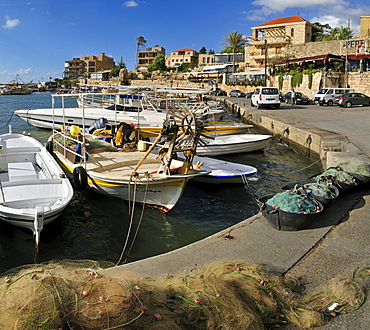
x: 330, y: 247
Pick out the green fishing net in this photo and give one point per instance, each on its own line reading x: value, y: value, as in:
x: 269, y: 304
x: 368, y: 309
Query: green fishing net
x: 289, y: 201
x: 355, y: 166
x: 320, y: 190
x: 338, y: 175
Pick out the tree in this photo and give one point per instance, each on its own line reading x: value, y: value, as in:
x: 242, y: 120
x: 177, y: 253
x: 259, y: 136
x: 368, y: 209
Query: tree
x: 342, y: 33
x: 234, y: 41
x: 114, y: 72
x: 159, y: 63
x: 203, y: 50
x: 140, y: 41
x: 211, y: 52
x: 328, y: 33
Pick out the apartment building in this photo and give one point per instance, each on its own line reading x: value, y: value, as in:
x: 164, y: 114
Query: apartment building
x: 180, y: 56
x: 147, y: 56
x: 84, y: 65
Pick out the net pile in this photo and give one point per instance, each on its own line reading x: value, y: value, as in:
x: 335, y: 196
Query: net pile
x: 338, y: 176
x: 68, y: 295
x: 355, y: 166
x: 289, y: 201
x: 320, y: 190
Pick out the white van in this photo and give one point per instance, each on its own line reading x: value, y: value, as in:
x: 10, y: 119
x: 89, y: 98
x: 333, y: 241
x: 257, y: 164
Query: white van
x: 328, y: 95
x: 265, y: 97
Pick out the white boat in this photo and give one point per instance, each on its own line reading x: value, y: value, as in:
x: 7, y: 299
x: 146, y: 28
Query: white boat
x: 85, y: 114
x: 136, y: 176
x: 232, y: 144
x: 224, y: 172
x: 33, y: 188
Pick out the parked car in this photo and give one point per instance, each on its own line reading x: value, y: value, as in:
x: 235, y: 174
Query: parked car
x: 248, y: 95
x: 266, y: 97
x: 281, y: 97
x: 217, y: 92
x: 327, y: 96
x: 236, y: 93
x: 350, y: 99
x: 300, y: 98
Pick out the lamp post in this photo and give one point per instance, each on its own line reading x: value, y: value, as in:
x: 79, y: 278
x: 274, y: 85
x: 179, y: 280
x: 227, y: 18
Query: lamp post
x: 265, y: 62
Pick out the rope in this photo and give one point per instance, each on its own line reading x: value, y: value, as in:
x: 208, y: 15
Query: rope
x: 246, y: 184
x: 141, y: 217
x: 130, y: 226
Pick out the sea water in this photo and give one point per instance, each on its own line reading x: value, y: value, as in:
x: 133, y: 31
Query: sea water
x: 95, y: 227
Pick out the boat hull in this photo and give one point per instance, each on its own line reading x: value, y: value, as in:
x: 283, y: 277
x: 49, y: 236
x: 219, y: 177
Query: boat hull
x: 34, y: 190
x: 226, y: 145
x: 161, y: 192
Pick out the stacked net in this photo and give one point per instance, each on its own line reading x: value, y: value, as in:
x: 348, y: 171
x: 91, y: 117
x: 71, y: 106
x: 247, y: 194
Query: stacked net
x: 84, y: 295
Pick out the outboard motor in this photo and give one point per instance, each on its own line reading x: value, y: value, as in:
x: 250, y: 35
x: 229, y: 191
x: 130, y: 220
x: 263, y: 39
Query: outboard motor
x: 97, y: 124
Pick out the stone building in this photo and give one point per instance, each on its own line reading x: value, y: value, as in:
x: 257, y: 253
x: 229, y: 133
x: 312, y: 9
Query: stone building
x: 84, y: 65
x: 185, y: 55
x: 272, y: 39
x: 147, y: 56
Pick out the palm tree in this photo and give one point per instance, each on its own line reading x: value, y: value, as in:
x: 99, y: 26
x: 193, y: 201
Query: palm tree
x: 234, y: 40
x: 140, y: 41
x: 342, y: 33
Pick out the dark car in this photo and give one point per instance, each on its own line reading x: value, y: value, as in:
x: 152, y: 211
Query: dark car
x: 281, y: 97
x: 236, y: 93
x: 248, y: 95
x: 350, y: 99
x: 217, y: 92
x: 300, y: 98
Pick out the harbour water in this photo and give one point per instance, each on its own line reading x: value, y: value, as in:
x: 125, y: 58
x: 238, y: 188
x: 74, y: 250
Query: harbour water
x: 95, y: 226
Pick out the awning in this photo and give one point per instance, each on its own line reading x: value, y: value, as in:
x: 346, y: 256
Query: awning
x: 310, y: 59
x: 215, y: 67
x: 250, y: 73
x: 201, y: 72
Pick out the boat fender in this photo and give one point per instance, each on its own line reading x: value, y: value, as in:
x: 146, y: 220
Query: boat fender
x: 79, y: 178
x: 49, y: 147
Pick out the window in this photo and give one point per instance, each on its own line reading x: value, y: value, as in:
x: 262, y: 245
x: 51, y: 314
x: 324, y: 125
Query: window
x: 292, y: 32
x: 278, y: 50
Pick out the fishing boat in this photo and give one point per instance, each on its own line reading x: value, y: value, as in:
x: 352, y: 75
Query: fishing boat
x: 125, y: 169
x: 33, y: 188
x: 16, y: 87
x: 232, y: 144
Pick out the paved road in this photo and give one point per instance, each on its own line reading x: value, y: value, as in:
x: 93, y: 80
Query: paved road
x: 330, y: 247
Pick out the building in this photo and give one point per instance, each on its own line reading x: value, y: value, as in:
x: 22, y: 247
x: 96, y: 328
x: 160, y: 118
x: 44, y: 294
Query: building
x: 85, y: 65
x: 180, y: 56
x: 147, y: 56
x: 273, y: 39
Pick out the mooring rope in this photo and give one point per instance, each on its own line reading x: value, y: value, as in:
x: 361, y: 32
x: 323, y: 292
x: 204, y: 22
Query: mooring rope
x: 131, y: 222
x: 141, y: 217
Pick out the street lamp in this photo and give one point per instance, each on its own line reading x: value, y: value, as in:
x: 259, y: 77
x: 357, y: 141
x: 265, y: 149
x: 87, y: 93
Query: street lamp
x: 265, y: 62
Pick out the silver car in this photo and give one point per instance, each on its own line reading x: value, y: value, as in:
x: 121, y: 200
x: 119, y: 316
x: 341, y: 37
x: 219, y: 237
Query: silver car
x: 350, y: 99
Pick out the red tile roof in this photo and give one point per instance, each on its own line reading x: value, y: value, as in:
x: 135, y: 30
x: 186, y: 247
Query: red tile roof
x: 185, y: 50
x: 284, y: 20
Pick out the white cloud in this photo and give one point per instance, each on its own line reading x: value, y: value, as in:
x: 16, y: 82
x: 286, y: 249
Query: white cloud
x: 11, y: 23
x: 281, y: 5
x: 130, y: 3
x: 25, y: 71
x: 332, y: 12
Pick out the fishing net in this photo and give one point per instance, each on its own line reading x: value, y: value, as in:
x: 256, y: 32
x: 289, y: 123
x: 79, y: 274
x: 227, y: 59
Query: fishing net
x: 355, y: 166
x: 290, y: 201
x: 83, y: 295
x: 320, y: 190
x: 338, y: 176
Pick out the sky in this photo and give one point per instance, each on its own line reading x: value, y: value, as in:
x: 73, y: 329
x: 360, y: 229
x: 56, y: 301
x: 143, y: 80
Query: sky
x: 38, y: 36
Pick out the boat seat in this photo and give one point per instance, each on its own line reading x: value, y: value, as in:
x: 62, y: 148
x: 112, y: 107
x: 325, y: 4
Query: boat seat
x: 21, y: 171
